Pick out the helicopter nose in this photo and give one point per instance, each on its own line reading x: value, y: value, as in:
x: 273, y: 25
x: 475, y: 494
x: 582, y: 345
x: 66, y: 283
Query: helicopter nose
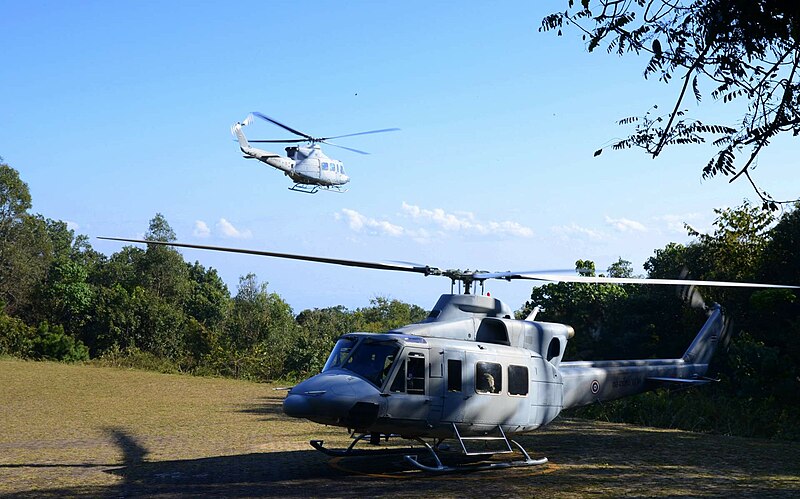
x: 296, y: 406
x: 335, y: 398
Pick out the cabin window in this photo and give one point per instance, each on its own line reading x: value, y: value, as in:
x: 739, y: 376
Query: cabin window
x: 453, y: 375
x: 488, y: 377
x: 517, y: 380
x: 324, y: 166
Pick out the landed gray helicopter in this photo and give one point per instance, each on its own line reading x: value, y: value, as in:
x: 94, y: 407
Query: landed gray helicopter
x: 472, y: 373
x: 309, y: 168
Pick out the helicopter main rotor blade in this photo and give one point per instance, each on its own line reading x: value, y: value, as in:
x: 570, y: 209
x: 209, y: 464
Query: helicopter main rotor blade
x: 628, y: 280
x: 361, y: 133
x: 290, y: 256
x: 285, y: 127
x: 343, y: 147
x: 465, y: 276
x: 515, y: 275
x: 278, y: 141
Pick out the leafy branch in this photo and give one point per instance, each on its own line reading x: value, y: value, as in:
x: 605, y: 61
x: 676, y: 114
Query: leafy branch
x: 748, y: 49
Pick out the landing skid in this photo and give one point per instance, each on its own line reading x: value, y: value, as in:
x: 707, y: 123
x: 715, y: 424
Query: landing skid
x: 440, y: 468
x: 313, y: 189
x: 413, y: 459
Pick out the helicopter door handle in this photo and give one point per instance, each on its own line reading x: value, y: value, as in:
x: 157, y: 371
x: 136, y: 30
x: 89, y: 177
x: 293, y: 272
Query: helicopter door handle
x: 386, y: 394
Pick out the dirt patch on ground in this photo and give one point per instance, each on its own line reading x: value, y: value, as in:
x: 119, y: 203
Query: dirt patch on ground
x: 99, y: 432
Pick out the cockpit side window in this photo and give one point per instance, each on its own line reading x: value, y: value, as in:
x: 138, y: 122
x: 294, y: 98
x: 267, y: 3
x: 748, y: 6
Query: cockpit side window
x: 415, y: 378
x: 410, y: 377
x: 325, y: 166
x: 399, y: 383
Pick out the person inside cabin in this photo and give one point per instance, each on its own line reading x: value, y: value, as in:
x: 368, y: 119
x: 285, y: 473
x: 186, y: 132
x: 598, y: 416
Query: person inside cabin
x: 489, y: 382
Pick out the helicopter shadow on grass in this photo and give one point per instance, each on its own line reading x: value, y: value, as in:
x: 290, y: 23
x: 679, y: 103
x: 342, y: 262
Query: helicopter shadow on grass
x: 586, y: 458
x: 268, y: 474
x: 268, y: 408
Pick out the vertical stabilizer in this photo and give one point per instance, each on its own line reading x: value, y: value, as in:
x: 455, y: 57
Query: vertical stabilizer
x: 236, y: 130
x: 705, y: 343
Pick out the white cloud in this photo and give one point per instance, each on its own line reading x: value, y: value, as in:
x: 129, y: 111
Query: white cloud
x: 228, y: 230
x: 426, y: 224
x: 625, y: 225
x: 465, y: 222
x: 574, y: 229
x: 358, y: 222
x: 201, y: 229
x: 675, y: 222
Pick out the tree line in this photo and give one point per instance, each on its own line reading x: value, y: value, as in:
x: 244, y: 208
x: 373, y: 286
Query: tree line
x: 758, y: 363
x: 62, y: 300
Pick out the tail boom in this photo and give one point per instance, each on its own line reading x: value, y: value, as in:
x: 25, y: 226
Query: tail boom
x: 274, y: 160
x: 599, y: 381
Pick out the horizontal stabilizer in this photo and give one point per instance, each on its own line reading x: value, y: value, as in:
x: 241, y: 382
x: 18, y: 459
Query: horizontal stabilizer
x: 683, y: 381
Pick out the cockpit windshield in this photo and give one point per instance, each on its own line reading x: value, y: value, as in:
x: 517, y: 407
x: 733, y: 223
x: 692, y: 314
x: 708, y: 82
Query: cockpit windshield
x: 370, y: 358
x: 340, y: 353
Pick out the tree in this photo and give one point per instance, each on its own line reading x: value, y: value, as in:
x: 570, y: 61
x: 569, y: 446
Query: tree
x: 384, y: 314
x: 257, y: 315
x: 747, y: 50
x: 162, y: 268
x: 25, y: 249
x: 584, y: 306
x: 65, y: 295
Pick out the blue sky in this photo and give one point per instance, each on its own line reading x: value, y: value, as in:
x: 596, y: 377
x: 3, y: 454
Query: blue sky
x: 114, y: 111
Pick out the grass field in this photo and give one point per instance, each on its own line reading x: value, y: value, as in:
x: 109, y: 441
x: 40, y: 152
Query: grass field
x: 71, y: 430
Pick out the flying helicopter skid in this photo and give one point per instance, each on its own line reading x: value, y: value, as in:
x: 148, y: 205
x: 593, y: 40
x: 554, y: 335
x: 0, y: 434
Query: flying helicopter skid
x: 472, y: 372
x: 313, y: 189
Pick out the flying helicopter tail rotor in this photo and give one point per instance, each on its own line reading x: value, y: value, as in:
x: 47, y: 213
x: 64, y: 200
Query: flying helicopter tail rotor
x: 238, y: 126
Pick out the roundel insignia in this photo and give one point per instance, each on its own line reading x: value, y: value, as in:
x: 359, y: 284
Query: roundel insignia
x: 595, y: 386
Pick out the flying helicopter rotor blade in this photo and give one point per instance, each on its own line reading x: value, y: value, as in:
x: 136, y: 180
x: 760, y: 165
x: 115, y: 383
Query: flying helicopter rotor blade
x: 279, y: 141
x: 290, y: 256
x: 285, y: 127
x: 636, y: 280
x: 382, y: 130
x: 343, y: 147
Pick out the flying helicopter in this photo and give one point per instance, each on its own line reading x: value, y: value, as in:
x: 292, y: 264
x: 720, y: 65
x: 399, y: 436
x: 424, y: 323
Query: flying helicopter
x: 309, y: 168
x: 472, y: 373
